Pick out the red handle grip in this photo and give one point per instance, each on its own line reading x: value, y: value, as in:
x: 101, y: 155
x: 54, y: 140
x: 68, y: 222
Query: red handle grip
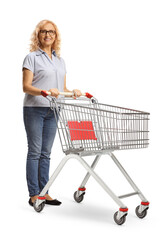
x: 45, y: 93
x: 88, y: 95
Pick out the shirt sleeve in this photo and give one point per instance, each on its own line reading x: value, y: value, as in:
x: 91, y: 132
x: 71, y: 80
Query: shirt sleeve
x: 29, y: 63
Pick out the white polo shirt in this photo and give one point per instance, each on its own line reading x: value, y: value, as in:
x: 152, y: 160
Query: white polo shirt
x: 47, y: 73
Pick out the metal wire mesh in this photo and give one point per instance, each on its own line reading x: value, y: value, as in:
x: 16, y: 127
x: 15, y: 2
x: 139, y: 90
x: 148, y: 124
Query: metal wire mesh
x: 109, y: 127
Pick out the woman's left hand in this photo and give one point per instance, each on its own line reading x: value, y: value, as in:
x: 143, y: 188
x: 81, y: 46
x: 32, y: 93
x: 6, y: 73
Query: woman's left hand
x: 77, y: 93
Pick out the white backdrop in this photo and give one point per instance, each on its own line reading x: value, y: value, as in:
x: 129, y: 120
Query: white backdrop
x: 112, y: 50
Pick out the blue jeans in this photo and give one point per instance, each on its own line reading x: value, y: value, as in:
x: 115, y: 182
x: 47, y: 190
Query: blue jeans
x: 40, y: 125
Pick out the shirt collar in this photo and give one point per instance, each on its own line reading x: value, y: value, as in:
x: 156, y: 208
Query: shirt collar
x: 40, y: 51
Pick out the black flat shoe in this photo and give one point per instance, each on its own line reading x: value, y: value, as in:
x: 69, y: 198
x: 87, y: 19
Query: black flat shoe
x: 53, y: 202
x: 30, y: 202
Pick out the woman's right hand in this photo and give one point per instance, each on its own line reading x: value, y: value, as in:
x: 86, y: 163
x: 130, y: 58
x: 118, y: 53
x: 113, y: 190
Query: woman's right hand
x: 54, y: 92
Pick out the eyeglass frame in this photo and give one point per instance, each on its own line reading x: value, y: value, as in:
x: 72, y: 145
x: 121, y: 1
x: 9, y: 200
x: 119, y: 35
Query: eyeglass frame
x: 51, y: 32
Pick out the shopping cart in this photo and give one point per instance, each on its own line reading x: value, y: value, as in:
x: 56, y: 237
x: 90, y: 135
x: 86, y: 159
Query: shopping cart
x: 87, y: 128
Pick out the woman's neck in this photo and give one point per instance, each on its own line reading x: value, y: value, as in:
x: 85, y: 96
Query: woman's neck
x: 47, y: 49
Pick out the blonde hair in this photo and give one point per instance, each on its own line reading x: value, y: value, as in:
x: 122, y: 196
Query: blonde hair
x: 35, y: 44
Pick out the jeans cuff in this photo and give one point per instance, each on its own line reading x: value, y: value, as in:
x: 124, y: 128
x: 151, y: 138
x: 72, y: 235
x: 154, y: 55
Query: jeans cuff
x: 33, y: 194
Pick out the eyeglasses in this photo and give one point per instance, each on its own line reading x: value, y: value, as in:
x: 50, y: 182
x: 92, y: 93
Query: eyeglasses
x: 51, y: 32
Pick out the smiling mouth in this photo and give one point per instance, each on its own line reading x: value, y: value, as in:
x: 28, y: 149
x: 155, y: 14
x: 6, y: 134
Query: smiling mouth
x: 47, y: 39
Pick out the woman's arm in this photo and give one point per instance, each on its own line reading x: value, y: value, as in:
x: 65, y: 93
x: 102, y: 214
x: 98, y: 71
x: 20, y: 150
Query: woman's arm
x: 27, y: 83
x: 28, y: 88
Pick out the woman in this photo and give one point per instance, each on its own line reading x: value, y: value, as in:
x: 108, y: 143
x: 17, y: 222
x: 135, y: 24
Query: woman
x: 43, y: 69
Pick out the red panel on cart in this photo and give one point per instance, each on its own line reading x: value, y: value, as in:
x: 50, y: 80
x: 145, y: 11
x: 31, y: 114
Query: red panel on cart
x: 81, y: 130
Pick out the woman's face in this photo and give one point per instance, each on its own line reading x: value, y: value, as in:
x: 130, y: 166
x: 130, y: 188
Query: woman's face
x: 47, y: 35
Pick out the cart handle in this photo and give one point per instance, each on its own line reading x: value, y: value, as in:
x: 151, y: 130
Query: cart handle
x: 69, y: 94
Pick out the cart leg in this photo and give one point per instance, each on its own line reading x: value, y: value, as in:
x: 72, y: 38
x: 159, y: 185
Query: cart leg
x: 81, y: 189
x: 144, y: 204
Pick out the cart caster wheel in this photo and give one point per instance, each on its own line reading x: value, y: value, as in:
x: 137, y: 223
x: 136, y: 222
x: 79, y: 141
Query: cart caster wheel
x: 80, y: 198
x: 142, y: 214
x: 121, y: 220
x: 39, y: 208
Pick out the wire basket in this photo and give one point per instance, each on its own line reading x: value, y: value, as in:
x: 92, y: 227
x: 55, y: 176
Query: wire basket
x: 95, y: 127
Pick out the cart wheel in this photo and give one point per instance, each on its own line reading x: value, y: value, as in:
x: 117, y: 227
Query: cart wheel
x: 142, y: 214
x: 78, y: 199
x: 39, y: 208
x: 121, y: 220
